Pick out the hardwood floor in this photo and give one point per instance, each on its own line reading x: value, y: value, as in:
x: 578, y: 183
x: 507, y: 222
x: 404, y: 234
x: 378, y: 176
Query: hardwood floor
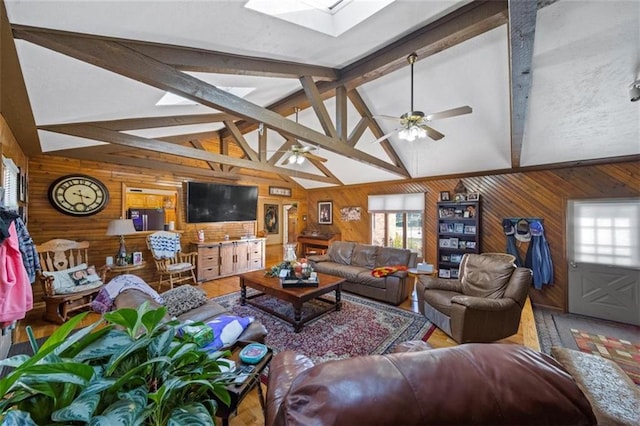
x: 249, y: 412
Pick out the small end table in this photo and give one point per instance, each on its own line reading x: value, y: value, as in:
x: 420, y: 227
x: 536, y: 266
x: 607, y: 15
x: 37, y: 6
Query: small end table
x: 119, y: 270
x: 413, y: 272
x: 239, y: 392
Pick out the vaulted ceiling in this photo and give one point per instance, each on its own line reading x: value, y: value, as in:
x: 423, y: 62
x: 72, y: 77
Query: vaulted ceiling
x: 548, y: 84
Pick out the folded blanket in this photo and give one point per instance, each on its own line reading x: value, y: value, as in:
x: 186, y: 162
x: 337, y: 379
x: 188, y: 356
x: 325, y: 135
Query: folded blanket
x: 103, y: 302
x: 383, y: 271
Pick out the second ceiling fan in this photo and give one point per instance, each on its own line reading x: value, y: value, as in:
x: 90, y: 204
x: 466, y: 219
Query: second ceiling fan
x: 413, y: 124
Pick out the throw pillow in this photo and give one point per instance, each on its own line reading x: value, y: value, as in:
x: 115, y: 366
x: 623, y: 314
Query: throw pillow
x: 226, y: 330
x: 383, y: 271
x: 63, y: 283
x: 84, y: 276
x: 182, y: 299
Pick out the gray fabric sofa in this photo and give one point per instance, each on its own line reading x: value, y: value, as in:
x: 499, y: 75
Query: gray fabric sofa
x: 355, y: 262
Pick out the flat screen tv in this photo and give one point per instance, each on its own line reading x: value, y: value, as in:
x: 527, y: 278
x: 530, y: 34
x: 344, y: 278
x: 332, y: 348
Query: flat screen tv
x: 216, y: 202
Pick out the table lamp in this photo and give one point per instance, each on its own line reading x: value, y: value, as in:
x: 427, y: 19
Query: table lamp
x: 121, y: 227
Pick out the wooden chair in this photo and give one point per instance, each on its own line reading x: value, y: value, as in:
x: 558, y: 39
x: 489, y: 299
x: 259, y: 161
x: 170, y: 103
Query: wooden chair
x: 172, y: 264
x: 56, y: 256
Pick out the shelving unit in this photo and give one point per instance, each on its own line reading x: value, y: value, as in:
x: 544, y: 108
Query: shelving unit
x: 458, y: 233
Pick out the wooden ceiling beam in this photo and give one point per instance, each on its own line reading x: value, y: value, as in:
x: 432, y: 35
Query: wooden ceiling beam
x: 241, y: 141
x: 358, y: 131
x: 198, y: 145
x: 288, y: 143
x: 522, y: 29
x: 310, y: 89
x: 362, y: 108
x: 200, y: 60
x: 156, y: 122
x: 341, y: 113
x: 156, y: 145
x: 470, y: 20
x: 179, y: 169
x: 122, y: 60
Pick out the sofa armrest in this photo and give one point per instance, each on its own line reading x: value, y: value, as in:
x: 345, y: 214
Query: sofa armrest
x: 433, y: 283
x: 318, y: 258
x: 483, y: 304
x: 283, y: 369
x: 613, y: 396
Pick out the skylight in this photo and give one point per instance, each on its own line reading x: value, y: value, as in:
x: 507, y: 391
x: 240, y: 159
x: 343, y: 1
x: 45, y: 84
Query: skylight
x: 332, y: 17
x: 173, y: 99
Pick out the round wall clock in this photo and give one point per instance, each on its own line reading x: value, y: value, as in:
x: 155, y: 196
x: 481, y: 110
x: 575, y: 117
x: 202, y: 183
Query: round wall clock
x: 78, y: 195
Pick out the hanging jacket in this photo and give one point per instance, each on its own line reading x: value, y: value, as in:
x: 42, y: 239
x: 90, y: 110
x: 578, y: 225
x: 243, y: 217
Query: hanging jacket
x: 512, y: 248
x: 28, y: 250
x: 539, y: 256
x: 16, y: 297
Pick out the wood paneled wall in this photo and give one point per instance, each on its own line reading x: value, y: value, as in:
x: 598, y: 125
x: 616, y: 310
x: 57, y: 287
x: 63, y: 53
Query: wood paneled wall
x: 541, y: 194
x: 45, y: 222
x: 9, y: 147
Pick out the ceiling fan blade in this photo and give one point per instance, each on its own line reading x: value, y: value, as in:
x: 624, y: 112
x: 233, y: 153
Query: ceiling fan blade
x: 449, y: 113
x: 387, y: 117
x: 306, y: 148
x: 432, y: 133
x: 380, y: 139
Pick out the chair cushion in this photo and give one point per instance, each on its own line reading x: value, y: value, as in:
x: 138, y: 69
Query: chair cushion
x: 73, y: 280
x: 182, y: 299
x: 176, y: 267
x: 485, y: 276
x: 440, y: 300
x: 392, y: 256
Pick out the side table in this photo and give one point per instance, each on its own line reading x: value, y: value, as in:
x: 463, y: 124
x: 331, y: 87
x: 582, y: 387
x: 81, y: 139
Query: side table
x: 119, y: 270
x: 239, y: 392
x: 413, y: 272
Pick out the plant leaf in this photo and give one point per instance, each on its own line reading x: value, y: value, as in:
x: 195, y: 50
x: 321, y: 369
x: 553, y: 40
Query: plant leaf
x: 17, y: 418
x: 194, y: 413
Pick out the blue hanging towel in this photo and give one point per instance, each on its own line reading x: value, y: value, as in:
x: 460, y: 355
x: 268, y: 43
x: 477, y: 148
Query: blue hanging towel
x: 540, y: 256
x: 512, y: 249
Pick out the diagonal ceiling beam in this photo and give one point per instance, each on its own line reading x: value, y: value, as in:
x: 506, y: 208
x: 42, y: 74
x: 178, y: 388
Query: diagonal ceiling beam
x: 364, y: 111
x: 117, y: 58
x: 310, y: 89
x: 522, y: 28
x: 156, y: 145
x: 470, y: 20
x: 241, y: 141
x: 358, y: 131
x: 90, y: 154
x: 155, y: 122
x: 198, y: 145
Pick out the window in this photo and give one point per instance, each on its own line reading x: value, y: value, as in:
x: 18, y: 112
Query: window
x: 10, y: 183
x: 606, y: 232
x: 396, y: 221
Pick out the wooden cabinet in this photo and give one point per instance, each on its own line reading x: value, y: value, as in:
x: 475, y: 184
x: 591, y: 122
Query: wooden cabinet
x: 458, y: 233
x: 224, y: 258
x: 208, y: 262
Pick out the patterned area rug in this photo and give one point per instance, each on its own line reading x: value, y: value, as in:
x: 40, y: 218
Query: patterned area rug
x: 623, y: 352
x: 361, y: 327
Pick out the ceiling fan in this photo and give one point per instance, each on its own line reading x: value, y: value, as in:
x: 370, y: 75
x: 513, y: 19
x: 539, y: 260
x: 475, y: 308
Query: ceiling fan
x: 297, y: 153
x: 413, y: 124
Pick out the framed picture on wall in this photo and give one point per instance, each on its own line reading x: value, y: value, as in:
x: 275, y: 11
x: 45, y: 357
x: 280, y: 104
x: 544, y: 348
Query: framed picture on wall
x: 271, y: 218
x: 325, y: 212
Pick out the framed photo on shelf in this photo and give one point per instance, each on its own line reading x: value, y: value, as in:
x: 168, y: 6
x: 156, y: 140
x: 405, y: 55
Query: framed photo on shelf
x: 137, y: 258
x: 445, y: 258
x: 473, y: 196
x: 463, y: 244
x: 444, y: 273
x: 279, y: 190
x: 471, y: 245
x: 445, y: 196
x: 444, y: 242
x: 443, y: 227
x: 458, y: 228
x: 469, y: 229
x: 456, y: 258
x: 454, y: 273
x: 453, y: 242
x: 325, y: 212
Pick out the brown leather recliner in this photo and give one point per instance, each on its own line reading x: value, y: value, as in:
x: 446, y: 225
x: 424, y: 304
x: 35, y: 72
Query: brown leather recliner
x: 483, y: 305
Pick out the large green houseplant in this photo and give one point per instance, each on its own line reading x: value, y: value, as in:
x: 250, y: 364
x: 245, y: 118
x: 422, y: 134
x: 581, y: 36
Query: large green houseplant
x: 128, y: 368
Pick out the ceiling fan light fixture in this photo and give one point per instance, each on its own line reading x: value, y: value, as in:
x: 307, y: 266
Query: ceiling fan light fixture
x: 292, y: 158
x: 300, y: 159
x: 412, y: 133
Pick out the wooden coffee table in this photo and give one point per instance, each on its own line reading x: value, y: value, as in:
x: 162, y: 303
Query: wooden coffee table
x: 296, y: 296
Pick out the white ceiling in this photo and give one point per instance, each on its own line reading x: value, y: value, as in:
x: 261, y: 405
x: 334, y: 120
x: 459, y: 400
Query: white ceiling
x: 586, y: 54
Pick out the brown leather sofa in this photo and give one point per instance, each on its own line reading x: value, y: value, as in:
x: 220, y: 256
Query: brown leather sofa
x: 483, y: 305
x: 255, y: 332
x: 355, y: 262
x: 472, y: 384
